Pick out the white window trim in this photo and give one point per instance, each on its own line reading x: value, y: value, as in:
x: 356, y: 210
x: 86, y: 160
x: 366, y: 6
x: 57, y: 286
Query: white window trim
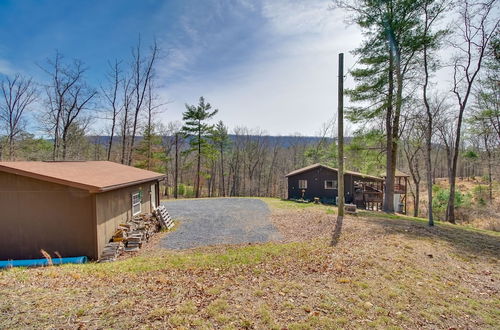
x: 304, y: 186
x: 333, y: 184
x: 135, y: 204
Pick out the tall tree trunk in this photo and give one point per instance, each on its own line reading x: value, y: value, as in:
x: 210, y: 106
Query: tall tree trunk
x: 389, y: 177
x: 222, y: 170
x: 428, y: 139
x: 176, y: 171
x: 198, y: 166
x: 11, y: 147
x: 490, y: 181
x: 110, y: 144
x: 64, y: 145
x: 124, y: 138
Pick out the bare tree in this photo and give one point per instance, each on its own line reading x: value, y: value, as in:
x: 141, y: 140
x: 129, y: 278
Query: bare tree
x: 432, y: 11
x: 127, y: 92
x: 18, y: 94
x: 142, y: 75
x: 67, y: 97
x: 112, y: 98
x: 476, y: 29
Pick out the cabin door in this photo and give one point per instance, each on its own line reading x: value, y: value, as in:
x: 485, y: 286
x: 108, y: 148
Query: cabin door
x: 153, y: 197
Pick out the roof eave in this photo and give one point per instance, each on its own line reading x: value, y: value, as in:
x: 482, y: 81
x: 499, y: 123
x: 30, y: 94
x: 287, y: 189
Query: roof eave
x: 361, y: 175
x: 89, y: 188
x: 128, y: 184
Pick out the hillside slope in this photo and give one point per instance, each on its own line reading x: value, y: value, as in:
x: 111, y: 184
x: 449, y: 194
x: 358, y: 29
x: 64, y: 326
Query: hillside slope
x: 382, y: 272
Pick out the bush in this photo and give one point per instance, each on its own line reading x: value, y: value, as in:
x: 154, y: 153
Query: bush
x: 480, y: 193
x: 440, y: 201
x: 181, y: 189
x: 189, y: 192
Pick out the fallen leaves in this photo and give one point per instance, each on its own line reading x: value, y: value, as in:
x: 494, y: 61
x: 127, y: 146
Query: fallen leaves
x: 379, y: 268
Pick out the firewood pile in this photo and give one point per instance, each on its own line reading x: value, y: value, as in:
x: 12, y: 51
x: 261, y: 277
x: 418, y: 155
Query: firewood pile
x: 130, y: 237
x: 111, y: 251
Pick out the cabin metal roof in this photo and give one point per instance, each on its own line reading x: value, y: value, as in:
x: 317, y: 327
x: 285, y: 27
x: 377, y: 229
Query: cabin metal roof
x: 317, y: 165
x: 94, y: 176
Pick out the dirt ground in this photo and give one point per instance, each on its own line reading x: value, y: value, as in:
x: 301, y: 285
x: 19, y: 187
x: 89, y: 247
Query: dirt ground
x: 382, y: 272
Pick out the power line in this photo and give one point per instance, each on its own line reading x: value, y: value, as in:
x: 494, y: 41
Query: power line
x: 352, y: 66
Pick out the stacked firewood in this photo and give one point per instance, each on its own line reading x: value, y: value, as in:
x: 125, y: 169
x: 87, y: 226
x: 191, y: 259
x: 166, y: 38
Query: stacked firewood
x: 111, y: 251
x: 129, y: 237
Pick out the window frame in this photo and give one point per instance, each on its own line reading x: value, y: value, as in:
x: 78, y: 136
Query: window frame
x: 303, y: 186
x: 334, y: 184
x: 138, y: 203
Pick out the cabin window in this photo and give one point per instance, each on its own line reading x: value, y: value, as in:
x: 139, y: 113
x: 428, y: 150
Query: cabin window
x: 302, y: 184
x: 136, y: 203
x: 330, y: 184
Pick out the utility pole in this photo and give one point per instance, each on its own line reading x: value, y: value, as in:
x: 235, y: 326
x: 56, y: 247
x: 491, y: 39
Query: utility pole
x: 341, y: 137
x: 176, y: 172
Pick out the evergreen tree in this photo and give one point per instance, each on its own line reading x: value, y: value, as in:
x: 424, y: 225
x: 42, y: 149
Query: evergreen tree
x: 196, y: 128
x: 392, y: 36
x: 220, y: 139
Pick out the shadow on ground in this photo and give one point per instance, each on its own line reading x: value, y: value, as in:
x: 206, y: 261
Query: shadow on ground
x: 463, y: 240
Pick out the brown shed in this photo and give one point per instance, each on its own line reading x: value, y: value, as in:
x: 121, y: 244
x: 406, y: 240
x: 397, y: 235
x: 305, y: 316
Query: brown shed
x: 69, y: 207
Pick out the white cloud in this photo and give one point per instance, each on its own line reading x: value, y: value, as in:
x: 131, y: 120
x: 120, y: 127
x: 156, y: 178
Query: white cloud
x: 6, y: 67
x: 290, y: 85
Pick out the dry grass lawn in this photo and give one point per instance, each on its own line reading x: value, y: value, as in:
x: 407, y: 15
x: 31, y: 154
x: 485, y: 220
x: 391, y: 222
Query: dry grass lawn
x: 383, y: 272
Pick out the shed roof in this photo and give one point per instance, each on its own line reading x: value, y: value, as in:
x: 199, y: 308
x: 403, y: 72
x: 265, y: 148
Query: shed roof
x: 313, y: 166
x: 94, y: 176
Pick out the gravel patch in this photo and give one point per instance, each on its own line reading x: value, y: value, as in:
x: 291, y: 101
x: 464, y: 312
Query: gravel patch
x: 217, y: 221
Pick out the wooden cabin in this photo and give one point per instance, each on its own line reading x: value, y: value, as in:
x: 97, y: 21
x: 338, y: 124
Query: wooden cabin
x: 320, y: 181
x: 366, y: 191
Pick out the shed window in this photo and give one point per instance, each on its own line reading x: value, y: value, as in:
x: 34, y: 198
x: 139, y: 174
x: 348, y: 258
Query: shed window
x: 302, y: 184
x: 136, y: 203
x: 330, y: 184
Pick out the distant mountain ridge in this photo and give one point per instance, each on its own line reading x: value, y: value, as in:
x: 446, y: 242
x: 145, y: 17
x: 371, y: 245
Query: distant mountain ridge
x: 283, y: 141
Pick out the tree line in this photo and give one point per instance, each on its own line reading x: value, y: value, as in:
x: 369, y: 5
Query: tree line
x: 401, y: 116
x: 396, y: 91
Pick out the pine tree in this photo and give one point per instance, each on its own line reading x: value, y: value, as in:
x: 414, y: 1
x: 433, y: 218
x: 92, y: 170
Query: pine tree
x: 196, y: 128
x: 392, y: 36
x: 220, y: 139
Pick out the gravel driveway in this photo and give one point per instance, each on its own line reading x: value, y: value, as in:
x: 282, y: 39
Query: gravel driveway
x: 219, y: 221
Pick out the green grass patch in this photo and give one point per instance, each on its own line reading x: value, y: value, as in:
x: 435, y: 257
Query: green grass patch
x: 288, y: 204
x: 202, y: 259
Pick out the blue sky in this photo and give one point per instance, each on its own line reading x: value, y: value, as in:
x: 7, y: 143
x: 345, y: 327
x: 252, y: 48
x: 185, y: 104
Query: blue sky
x: 268, y: 64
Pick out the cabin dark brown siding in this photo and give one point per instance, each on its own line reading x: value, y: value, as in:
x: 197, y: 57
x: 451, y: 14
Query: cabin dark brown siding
x: 316, y: 185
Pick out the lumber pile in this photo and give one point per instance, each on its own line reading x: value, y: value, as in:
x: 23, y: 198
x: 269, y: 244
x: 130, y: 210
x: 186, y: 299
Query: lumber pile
x: 165, y: 218
x: 130, y: 236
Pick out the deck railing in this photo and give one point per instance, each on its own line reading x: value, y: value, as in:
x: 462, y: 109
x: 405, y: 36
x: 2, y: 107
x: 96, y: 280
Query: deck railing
x: 373, y: 196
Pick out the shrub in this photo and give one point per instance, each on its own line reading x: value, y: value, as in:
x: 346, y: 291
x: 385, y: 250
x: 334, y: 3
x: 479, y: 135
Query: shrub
x: 440, y: 200
x: 480, y: 193
x: 189, y: 192
x: 181, y: 189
